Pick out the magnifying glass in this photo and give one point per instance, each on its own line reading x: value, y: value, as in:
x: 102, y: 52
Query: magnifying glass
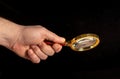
x: 82, y: 42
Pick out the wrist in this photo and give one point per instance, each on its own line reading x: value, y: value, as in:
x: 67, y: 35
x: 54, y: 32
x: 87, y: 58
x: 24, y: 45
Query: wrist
x: 9, y: 32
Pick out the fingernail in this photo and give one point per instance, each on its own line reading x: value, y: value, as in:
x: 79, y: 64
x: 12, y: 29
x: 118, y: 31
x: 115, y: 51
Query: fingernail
x: 62, y: 38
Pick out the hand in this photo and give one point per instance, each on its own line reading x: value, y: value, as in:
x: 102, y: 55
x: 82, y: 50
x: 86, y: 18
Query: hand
x: 28, y: 41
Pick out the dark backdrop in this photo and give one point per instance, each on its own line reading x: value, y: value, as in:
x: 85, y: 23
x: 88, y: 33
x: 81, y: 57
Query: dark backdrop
x: 68, y: 21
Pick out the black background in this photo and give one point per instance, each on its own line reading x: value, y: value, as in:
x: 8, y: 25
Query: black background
x: 67, y: 21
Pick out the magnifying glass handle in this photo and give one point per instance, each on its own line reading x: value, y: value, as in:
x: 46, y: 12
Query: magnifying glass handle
x: 51, y: 43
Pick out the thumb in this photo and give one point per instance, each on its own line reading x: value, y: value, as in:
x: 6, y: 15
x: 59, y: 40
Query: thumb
x: 50, y: 36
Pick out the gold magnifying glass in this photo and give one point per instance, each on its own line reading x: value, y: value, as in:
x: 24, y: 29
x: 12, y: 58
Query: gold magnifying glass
x: 82, y: 42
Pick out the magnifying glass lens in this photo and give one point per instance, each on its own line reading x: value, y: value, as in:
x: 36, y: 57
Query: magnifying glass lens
x: 84, y: 43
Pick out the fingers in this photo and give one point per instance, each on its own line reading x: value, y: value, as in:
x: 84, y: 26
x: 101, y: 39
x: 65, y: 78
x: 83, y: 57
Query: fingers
x: 39, y: 53
x: 47, y: 49
x: 57, y: 47
x: 32, y: 56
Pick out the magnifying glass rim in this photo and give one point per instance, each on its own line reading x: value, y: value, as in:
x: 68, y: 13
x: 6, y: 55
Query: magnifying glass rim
x: 83, y: 36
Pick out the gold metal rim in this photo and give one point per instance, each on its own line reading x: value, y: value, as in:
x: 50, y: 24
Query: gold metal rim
x: 70, y: 44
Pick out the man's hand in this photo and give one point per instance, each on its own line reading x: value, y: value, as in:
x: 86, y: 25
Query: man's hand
x: 28, y: 41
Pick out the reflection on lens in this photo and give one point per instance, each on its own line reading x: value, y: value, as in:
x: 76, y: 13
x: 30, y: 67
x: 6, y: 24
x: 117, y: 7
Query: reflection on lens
x: 84, y: 42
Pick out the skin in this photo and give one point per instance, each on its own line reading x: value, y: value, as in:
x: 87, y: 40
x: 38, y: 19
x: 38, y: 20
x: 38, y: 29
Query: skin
x: 28, y: 42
